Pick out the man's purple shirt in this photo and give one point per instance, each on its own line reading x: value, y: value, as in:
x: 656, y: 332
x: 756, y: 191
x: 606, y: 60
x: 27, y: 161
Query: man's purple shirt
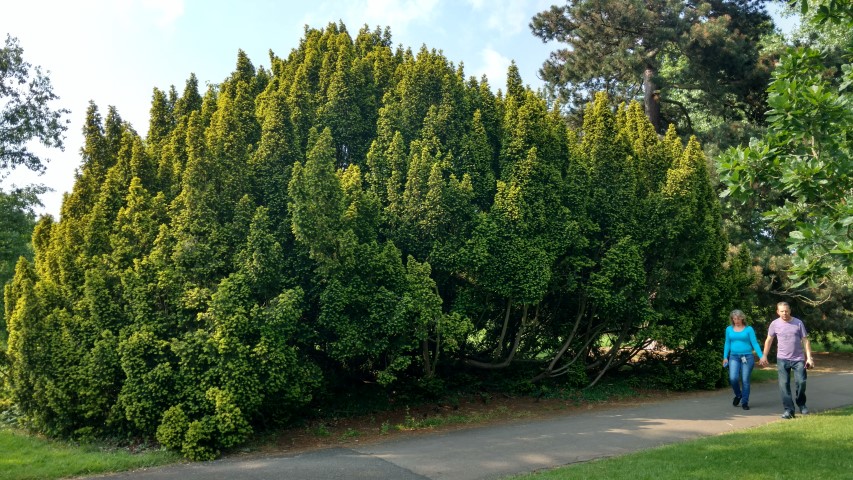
x: 789, y: 338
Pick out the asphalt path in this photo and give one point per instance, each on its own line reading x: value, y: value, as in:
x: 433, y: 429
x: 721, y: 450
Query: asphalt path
x: 495, y: 452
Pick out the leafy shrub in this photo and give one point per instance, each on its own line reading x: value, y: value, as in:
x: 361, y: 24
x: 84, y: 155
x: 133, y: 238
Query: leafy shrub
x: 173, y: 428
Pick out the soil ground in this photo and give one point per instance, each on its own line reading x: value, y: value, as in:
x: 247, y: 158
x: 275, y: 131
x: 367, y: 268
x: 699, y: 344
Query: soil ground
x: 468, y: 413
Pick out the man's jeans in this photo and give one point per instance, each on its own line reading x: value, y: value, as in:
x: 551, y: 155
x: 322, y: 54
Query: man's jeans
x: 740, y: 369
x: 798, y: 368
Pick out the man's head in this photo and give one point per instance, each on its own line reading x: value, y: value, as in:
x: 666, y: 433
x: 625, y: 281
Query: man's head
x: 784, y: 311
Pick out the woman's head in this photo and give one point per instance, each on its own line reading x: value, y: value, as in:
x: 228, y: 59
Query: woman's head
x: 737, y: 317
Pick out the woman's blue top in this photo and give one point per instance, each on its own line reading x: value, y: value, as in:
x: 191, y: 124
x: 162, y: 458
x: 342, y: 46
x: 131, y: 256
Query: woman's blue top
x: 741, y: 343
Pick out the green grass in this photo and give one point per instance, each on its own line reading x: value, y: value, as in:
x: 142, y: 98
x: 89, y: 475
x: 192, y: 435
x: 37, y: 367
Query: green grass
x: 833, y: 343
x: 26, y: 457
x: 816, y: 446
x: 760, y: 375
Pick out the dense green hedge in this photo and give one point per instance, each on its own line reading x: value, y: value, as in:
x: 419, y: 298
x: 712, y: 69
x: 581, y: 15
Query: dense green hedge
x: 358, y: 214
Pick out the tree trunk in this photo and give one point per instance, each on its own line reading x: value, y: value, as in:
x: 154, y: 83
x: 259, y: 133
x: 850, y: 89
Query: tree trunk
x: 559, y: 354
x: 651, y: 99
x: 500, y: 347
x: 614, y: 350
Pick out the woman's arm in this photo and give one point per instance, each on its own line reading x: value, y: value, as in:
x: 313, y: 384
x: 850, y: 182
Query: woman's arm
x: 754, y: 341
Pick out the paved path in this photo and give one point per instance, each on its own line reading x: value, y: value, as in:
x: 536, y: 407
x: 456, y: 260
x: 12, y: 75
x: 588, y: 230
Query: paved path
x: 498, y: 451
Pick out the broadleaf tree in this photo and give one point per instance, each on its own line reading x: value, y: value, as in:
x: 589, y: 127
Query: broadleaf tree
x: 27, y: 114
x: 799, y: 174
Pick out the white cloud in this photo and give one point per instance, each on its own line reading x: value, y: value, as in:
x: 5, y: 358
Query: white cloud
x: 508, y: 20
x: 494, y: 67
x: 401, y: 12
x: 509, y: 17
x: 398, y: 14
x: 169, y: 10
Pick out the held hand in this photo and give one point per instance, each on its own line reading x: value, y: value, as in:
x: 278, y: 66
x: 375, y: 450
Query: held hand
x: 763, y: 362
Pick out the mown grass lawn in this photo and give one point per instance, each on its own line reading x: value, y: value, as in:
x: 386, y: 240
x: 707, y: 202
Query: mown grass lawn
x: 26, y: 457
x: 810, y: 447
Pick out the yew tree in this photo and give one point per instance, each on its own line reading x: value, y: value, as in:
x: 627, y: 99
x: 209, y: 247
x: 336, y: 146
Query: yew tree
x: 356, y: 219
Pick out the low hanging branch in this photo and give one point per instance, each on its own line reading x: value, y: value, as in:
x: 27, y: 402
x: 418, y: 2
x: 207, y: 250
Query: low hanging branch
x: 515, y: 343
x: 549, y: 371
x: 683, y: 111
x: 565, y: 367
x: 614, y: 350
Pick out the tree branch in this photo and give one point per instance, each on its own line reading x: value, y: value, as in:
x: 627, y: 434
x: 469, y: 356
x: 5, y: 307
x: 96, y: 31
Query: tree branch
x: 515, y: 343
x: 683, y: 111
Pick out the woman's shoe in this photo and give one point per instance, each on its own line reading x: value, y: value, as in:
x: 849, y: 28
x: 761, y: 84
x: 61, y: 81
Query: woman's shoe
x: 736, y: 401
x: 745, y: 406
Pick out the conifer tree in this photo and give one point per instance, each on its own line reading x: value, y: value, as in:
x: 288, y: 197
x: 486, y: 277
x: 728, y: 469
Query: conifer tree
x: 161, y: 120
x: 317, y: 200
x: 356, y: 216
x: 95, y: 162
x: 272, y: 162
x: 16, y: 227
x: 378, y: 164
x: 342, y: 111
x: 189, y: 101
x: 622, y: 46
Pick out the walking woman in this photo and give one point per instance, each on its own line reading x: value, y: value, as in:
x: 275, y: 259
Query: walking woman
x: 737, y: 355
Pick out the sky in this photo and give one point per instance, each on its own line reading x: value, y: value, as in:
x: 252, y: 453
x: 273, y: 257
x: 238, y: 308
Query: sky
x: 115, y: 52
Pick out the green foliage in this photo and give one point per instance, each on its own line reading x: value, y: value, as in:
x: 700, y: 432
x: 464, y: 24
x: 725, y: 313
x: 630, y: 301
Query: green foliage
x: 699, y: 65
x: 199, y: 440
x: 693, y: 370
x: 26, y: 95
x: 357, y: 221
x: 317, y: 199
x: 798, y: 174
x: 26, y: 115
x: 16, y: 227
x: 27, y: 457
x: 172, y: 428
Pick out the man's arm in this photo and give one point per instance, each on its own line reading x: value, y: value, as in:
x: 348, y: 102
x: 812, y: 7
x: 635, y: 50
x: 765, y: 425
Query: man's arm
x: 807, y: 346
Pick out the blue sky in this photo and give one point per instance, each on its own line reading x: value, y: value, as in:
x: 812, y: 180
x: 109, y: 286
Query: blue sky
x: 115, y: 52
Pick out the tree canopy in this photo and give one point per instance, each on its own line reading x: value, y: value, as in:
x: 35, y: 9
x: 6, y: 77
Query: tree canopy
x: 26, y: 112
x: 684, y: 59
x: 799, y: 174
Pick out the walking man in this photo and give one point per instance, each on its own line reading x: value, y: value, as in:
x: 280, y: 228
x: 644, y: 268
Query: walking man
x: 793, y: 354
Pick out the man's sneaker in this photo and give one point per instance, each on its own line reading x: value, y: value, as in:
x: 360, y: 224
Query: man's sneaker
x: 736, y: 401
x: 746, y: 406
x: 788, y: 415
x: 804, y: 410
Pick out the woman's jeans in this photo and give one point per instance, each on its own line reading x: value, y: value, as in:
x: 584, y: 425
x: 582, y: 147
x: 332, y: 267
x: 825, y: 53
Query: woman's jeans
x: 740, y: 369
x: 798, y: 368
